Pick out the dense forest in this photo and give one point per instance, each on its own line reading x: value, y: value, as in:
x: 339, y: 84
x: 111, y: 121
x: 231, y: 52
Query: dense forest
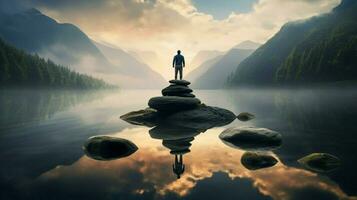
x: 18, y: 68
x: 322, y: 49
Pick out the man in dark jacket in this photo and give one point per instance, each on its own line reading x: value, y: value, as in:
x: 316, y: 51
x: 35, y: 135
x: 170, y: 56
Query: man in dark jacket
x: 178, y: 63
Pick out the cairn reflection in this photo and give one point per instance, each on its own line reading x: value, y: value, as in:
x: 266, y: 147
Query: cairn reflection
x: 178, y: 140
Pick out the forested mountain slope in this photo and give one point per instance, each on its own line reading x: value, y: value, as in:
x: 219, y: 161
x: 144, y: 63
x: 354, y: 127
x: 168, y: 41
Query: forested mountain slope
x: 17, y: 68
x: 318, y: 50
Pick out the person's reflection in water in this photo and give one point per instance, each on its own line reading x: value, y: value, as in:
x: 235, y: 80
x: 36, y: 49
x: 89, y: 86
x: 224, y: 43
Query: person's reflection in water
x: 178, y: 167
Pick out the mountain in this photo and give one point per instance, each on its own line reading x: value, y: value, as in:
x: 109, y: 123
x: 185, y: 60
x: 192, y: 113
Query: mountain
x: 19, y: 69
x: 247, y: 45
x: 148, y: 57
x: 132, y: 70
x: 216, y: 75
x: 67, y: 45
x: 203, y: 56
x: 317, y: 50
x: 203, y: 68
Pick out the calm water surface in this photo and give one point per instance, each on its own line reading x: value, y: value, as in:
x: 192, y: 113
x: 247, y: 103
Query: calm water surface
x: 42, y: 133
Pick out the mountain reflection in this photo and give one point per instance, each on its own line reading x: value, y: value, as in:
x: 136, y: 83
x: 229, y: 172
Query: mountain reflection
x: 146, y: 174
x: 23, y: 106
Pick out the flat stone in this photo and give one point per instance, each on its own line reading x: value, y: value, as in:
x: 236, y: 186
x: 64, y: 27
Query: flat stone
x: 202, y: 118
x: 175, y: 90
x: 108, y: 148
x: 320, y: 162
x: 186, y: 95
x: 173, y: 103
x: 255, y: 161
x: 180, y: 82
x: 245, y: 116
x: 146, y: 117
x: 251, y: 138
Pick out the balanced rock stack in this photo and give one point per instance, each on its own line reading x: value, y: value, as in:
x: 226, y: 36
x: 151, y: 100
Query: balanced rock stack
x: 178, y: 107
x: 176, y: 97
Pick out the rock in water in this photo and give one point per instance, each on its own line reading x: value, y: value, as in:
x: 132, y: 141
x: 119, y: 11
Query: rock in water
x: 173, y: 103
x: 146, y: 117
x: 180, y: 82
x: 175, y: 90
x: 251, y: 138
x: 320, y: 162
x: 108, y: 148
x: 254, y: 161
x: 245, y: 116
x: 201, y: 118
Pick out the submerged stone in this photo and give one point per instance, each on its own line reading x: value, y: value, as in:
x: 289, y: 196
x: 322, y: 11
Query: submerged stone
x: 173, y: 103
x: 174, y: 90
x: 180, y: 82
x: 251, y: 138
x: 245, y: 116
x: 108, y: 148
x: 255, y: 161
x: 320, y: 162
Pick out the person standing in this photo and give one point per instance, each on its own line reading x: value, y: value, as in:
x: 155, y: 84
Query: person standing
x: 178, y: 63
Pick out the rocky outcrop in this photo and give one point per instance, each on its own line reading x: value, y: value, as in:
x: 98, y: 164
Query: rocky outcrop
x: 108, y: 148
x: 251, y: 138
x: 183, y: 111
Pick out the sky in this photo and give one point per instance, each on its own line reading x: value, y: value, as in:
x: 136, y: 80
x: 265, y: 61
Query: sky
x: 221, y: 9
x: 164, y: 26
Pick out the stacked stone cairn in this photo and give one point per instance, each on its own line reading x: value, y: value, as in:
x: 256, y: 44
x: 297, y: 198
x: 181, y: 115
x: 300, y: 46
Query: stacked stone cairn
x: 176, y: 97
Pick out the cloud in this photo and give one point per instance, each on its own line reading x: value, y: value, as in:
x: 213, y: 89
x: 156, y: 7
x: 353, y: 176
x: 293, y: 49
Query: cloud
x: 164, y: 26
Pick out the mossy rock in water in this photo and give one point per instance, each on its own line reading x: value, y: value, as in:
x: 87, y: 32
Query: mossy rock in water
x: 245, y: 116
x: 255, y: 161
x: 108, y: 148
x: 180, y: 82
x: 251, y: 138
x: 174, y: 90
x: 320, y: 162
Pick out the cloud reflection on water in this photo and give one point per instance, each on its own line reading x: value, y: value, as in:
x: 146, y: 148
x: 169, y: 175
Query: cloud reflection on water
x: 148, y: 174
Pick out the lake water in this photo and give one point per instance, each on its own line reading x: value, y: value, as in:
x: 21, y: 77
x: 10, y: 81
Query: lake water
x: 42, y: 134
